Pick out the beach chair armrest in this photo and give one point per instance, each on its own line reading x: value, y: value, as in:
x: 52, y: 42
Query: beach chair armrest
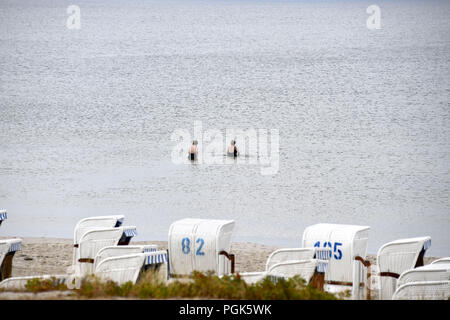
x: 230, y: 257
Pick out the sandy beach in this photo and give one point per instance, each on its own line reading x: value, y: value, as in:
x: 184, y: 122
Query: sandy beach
x: 53, y: 255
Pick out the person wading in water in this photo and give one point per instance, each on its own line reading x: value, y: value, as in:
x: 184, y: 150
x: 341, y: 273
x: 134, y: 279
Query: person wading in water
x: 193, y: 150
x: 232, y: 150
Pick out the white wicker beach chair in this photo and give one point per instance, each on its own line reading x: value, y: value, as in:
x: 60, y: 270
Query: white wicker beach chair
x: 8, y: 248
x: 92, y: 223
x: 200, y: 245
x: 347, y: 266
x: 395, y: 257
x: 91, y: 242
x: 122, y: 269
x: 423, y: 290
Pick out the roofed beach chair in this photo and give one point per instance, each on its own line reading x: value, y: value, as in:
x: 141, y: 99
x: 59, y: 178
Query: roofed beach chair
x: 92, y: 241
x: 308, y: 263
x: 92, y: 223
x: 395, y: 257
x: 423, y: 290
x: 129, y: 267
x: 8, y: 248
x: 200, y: 245
x: 347, y: 268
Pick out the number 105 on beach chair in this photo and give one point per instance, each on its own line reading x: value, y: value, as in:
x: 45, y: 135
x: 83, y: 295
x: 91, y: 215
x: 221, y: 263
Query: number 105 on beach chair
x: 200, y: 245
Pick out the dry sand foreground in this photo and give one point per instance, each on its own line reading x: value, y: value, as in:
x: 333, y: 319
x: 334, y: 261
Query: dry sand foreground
x: 52, y: 256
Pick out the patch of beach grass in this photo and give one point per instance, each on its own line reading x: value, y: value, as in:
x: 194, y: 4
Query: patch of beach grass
x: 203, y: 286
x: 41, y: 285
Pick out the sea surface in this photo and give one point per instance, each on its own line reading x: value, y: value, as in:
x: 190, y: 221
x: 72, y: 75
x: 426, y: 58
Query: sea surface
x: 87, y: 116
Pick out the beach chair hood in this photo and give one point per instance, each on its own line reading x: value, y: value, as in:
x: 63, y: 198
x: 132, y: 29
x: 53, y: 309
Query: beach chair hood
x: 345, y: 241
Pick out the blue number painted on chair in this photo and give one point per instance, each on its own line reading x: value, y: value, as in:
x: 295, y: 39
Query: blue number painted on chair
x: 334, y: 248
x: 185, y: 243
x: 336, y: 244
x: 199, y: 250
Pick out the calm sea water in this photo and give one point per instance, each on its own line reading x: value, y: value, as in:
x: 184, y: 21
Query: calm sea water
x: 86, y: 115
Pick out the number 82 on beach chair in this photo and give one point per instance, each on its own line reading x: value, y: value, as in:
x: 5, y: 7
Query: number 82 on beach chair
x: 200, y: 245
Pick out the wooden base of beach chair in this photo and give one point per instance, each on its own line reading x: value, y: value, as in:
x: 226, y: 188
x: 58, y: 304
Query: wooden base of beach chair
x: 318, y: 280
x: 6, y: 267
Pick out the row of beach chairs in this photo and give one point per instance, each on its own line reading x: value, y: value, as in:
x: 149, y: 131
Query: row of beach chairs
x: 332, y: 258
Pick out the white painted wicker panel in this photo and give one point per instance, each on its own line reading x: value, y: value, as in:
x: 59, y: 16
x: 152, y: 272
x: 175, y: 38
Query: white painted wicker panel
x: 426, y: 290
x: 303, y: 268
x: 91, y: 243
x: 181, y: 260
x: 194, y: 244
x: 205, y: 248
x: 121, y: 269
x: 445, y: 261
x: 114, y: 251
x: 396, y: 257
x: 286, y: 254
x: 99, y: 222
x: 92, y: 223
x: 437, y: 272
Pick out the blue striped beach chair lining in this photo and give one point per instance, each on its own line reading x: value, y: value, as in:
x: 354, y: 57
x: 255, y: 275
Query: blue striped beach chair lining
x: 427, y: 244
x: 3, y: 216
x: 130, y: 232
x: 323, y: 254
x: 322, y: 266
x: 15, y: 247
x: 119, y: 222
x: 156, y: 258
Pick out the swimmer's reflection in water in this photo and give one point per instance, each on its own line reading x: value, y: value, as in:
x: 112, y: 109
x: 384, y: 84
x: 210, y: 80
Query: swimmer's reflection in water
x: 193, y: 150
